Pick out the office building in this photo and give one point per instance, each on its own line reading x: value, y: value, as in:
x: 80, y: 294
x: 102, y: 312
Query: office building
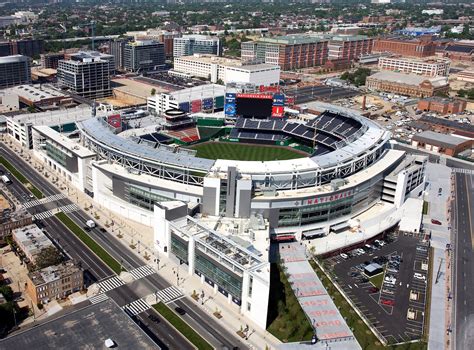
x: 163, y: 36
x: 117, y: 49
x: 144, y: 55
x: 414, y: 47
x: 227, y: 70
x: 54, y: 282
x: 289, y: 52
x: 190, y: 44
x: 407, y: 84
x: 349, y: 47
x: 14, y: 70
x: 86, y: 75
x: 427, y: 67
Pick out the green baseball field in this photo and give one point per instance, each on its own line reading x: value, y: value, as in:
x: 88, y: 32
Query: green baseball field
x: 237, y: 151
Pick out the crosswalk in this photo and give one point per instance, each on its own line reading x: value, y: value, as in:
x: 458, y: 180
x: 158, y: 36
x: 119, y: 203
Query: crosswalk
x: 43, y: 215
x: 69, y: 208
x: 142, y: 271
x: 109, y: 284
x: 44, y: 200
x: 169, y: 294
x: 98, y: 298
x: 48, y: 213
x: 136, y: 307
x: 463, y: 171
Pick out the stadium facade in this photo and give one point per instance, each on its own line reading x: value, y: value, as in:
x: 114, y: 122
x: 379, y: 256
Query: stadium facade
x: 185, y: 198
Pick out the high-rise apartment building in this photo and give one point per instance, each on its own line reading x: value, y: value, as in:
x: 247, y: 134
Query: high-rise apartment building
x: 14, y: 70
x: 188, y: 45
x: 289, y: 52
x: 144, y: 55
x: 423, y: 47
x: 86, y: 74
x: 117, y: 49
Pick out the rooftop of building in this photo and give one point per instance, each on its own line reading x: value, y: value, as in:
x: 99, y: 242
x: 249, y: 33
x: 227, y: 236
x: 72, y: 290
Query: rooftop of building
x: 53, y: 273
x: 443, y: 100
x: 32, y: 239
x: 4, y: 203
x: 296, y: 39
x: 438, y: 139
x: 89, y: 327
x: 13, y: 58
x: 71, y: 145
x: 204, y: 58
x: 198, y: 37
x: 446, y: 123
x: 148, y: 42
x: 431, y: 59
x: 348, y: 37
x: 408, y: 79
x: 198, y: 92
x: 36, y: 93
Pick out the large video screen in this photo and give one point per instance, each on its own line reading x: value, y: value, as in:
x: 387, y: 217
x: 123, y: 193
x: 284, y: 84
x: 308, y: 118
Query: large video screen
x: 254, y: 107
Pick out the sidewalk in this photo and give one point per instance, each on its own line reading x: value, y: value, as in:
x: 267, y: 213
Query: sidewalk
x: 439, y: 176
x: 141, y: 237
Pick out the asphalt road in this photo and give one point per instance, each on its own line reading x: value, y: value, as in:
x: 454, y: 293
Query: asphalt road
x: 204, y: 324
x: 463, y: 215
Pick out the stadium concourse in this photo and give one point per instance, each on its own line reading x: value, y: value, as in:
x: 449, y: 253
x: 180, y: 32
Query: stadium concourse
x: 218, y: 216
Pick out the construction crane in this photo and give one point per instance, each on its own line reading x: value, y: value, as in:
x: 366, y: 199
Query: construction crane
x: 91, y: 24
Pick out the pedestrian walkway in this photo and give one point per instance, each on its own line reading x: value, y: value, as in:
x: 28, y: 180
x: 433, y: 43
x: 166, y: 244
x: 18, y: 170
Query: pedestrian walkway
x: 43, y: 215
x: 69, y: 208
x: 169, y: 294
x: 98, y: 298
x: 109, y: 284
x: 44, y: 200
x: 142, y: 271
x: 136, y: 307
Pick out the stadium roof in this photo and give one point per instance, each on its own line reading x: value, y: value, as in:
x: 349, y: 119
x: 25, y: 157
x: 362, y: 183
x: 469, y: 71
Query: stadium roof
x: 100, y: 132
x: 51, y: 118
x: 198, y: 92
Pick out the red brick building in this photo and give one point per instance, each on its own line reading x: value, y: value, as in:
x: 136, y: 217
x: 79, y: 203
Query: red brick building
x: 441, y: 143
x: 423, y: 47
x: 442, y: 105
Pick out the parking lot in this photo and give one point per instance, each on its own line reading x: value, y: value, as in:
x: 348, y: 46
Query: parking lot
x: 396, y: 307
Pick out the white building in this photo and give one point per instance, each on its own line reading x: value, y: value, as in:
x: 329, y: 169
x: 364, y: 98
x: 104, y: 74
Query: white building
x: 227, y: 70
x: 183, y: 99
x: 427, y: 67
x: 191, y: 44
x: 68, y: 158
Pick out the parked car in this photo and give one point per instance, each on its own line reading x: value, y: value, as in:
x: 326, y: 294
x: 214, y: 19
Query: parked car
x: 153, y: 318
x: 436, y: 222
x: 387, y: 302
x: 419, y: 276
x: 373, y: 290
x: 344, y: 256
x: 422, y: 249
x: 180, y: 311
x: 388, y: 291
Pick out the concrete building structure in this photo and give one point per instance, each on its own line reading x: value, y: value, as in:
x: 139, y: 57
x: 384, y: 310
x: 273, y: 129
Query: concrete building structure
x: 441, y: 143
x: 40, y: 96
x: 54, y: 282
x: 227, y: 70
x: 9, y: 101
x: 14, y: 70
x: 117, y: 49
x: 86, y: 74
x: 51, y: 60
x: 144, y: 55
x: 413, y: 48
x: 68, y: 158
x: 426, y: 67
x: 348, y: 48
x: 466, y: 75
x: 31, y: 240
x: 289, y: 52
x: 25, y: 47
x: 188, y: 45
x: 442, y: 105
x: 407, y: 84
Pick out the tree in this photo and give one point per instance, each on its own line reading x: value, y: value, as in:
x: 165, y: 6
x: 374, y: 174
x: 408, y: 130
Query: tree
x: 7, y: 292
x: 47, y: 257
x: 153, y: 91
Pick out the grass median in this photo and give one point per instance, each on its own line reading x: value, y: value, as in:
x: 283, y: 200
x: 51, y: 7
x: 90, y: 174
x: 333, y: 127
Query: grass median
x: 182, y: 327
x: 20, y: 177
x: 87, y: 240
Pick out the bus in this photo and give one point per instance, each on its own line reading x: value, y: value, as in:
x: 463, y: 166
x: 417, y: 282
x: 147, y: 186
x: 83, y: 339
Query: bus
x: 6, y: 180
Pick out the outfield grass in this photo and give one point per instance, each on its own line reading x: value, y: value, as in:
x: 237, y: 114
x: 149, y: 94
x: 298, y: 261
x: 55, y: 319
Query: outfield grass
x: 84, y: 237
x: 287, y: 319
x: 236, y: 151
x: 20, y: 177
x: 182, y: 327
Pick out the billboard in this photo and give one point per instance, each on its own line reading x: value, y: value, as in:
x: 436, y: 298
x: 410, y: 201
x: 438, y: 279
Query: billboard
x: 278, y: 111
x: 263, y: 88
x: 207, y: 103
x: 196, y: 106
x: 256, y: 107
x: 115, y: 121
x: 229, y: 108
x: 278, y: 100
x: 184, y: 106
